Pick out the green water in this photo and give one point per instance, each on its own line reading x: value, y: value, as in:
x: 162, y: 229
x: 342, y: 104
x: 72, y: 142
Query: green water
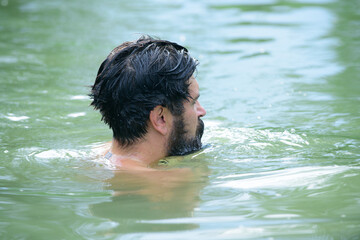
x: 279, y: 81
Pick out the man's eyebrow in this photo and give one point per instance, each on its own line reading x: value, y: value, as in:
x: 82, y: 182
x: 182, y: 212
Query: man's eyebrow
x: 195, y: 98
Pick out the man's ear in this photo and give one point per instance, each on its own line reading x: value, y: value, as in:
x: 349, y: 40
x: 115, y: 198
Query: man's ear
x: 159, y: 119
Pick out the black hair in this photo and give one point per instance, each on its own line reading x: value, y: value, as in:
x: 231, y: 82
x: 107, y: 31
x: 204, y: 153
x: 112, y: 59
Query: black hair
x: 135, y: 78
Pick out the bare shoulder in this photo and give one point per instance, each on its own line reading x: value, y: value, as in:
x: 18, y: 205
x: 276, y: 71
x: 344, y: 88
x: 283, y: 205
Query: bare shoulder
x: 101, y: 149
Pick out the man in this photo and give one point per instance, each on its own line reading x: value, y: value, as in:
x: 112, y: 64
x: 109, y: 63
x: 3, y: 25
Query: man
x: 147, y: 94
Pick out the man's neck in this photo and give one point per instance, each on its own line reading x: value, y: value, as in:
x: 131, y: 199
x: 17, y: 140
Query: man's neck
x: 144, y: 153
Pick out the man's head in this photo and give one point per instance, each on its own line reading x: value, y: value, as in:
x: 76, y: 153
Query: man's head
x: 137, y: 77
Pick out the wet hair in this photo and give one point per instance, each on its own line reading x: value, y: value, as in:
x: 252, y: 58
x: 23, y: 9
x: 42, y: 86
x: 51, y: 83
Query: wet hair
x: 135, y: 78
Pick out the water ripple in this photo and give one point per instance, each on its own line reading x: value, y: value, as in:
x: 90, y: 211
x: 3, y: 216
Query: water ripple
x: 309, y: 177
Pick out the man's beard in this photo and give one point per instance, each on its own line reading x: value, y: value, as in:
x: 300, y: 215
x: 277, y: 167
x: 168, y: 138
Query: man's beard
x: 179, y: 143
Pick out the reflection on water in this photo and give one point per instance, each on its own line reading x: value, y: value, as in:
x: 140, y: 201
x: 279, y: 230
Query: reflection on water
x: 279, y: 81
x: 151, y: 195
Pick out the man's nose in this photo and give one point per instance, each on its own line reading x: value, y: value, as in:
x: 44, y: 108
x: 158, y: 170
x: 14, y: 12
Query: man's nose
x: 201, y: 111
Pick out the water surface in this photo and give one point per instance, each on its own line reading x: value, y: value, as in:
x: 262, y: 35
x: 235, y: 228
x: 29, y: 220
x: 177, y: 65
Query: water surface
x: 279, y: 81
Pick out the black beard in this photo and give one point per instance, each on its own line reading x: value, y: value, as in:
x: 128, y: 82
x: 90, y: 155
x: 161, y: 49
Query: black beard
x: 179, y: 144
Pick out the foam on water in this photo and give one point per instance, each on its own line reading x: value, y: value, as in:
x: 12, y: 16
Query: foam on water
x: 14, y: 118
x: 249, y: 141
x: 58, y: 153
x: 80, y: 97
x: 237, y: 135
x: 76, y: 114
